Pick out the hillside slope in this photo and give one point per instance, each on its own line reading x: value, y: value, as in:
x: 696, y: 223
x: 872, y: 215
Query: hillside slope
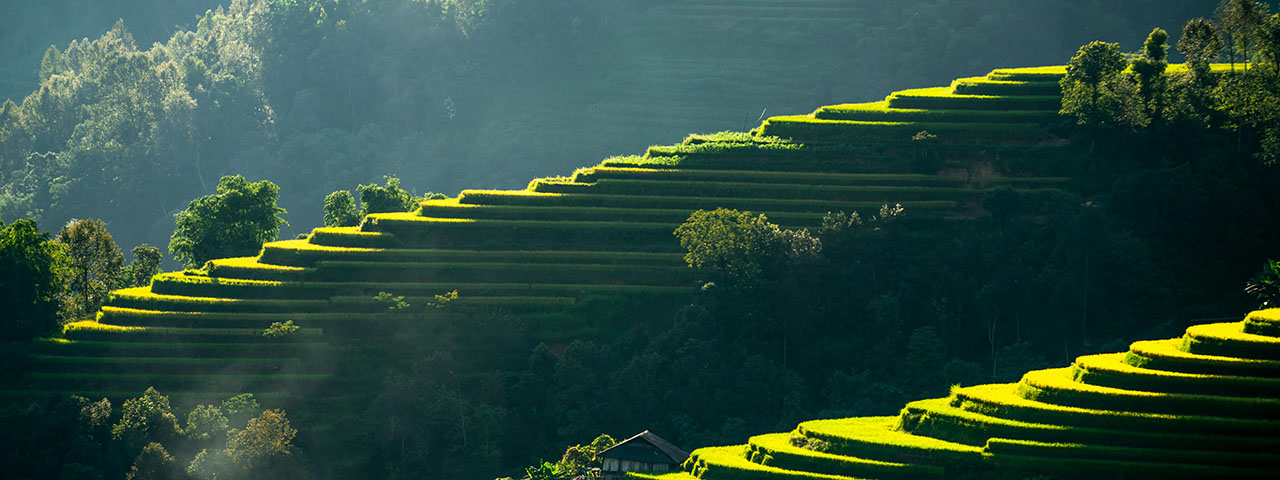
x: 555, y: 252
x: 1206, y: 405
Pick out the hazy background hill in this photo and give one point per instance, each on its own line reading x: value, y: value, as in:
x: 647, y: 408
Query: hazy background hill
x: 318, y: 95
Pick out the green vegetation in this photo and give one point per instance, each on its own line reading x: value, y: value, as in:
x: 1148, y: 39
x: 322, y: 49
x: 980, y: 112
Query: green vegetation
x: 235, y: 221
x: 1266, y: 285
x: 956, y: 235
x: 1010, y: 428
x: 95, y: 266
x: 737, y: 249
x: 33, y: 304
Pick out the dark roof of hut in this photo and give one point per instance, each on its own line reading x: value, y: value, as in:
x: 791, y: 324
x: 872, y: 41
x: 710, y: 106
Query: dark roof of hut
x: 646, y: 447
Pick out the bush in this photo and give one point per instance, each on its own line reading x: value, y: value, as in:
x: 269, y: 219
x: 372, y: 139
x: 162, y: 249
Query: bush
x: 280, y: 329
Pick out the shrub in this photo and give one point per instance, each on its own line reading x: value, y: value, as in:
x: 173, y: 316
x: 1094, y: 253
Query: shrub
x: 1265, y: 286
x: 280, y: 329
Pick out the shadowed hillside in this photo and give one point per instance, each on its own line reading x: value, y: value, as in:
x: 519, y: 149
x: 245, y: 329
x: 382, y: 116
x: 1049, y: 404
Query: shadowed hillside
x: 1205, y: 405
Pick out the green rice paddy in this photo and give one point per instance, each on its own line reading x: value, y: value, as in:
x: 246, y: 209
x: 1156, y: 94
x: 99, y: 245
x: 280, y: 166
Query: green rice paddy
x: 1207, y: 404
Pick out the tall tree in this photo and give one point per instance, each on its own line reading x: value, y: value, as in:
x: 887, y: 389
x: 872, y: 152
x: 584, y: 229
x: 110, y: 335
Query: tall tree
x: 1268, y: 52
x: 340, y: 210
x: 32, y: 279
x: 1201, y: 45
x: 153, y: 463
x: 1082, y: 87
x: 145, y: 264
x: 1097, y: 92
x: 236, y: 221
x: 1239, y: 21
x: 266, y: 436
x: 94, y: 264
x: 1150, y: 69
x: 146, y: 418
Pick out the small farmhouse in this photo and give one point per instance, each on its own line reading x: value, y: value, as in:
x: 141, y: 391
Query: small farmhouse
x: 643, y: 452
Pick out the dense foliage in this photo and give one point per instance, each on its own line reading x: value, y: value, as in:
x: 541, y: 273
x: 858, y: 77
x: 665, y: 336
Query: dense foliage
x: 855, y: 318
x: 33, y: 275
x: 74, y: 437
x: 95, y: 266
x: 145, y: 264
x: 740, y: 250
x: 235, y: 222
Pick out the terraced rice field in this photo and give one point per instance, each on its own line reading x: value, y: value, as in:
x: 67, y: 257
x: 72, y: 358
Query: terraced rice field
x: 1203, y: 406
x: 604, y: 232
